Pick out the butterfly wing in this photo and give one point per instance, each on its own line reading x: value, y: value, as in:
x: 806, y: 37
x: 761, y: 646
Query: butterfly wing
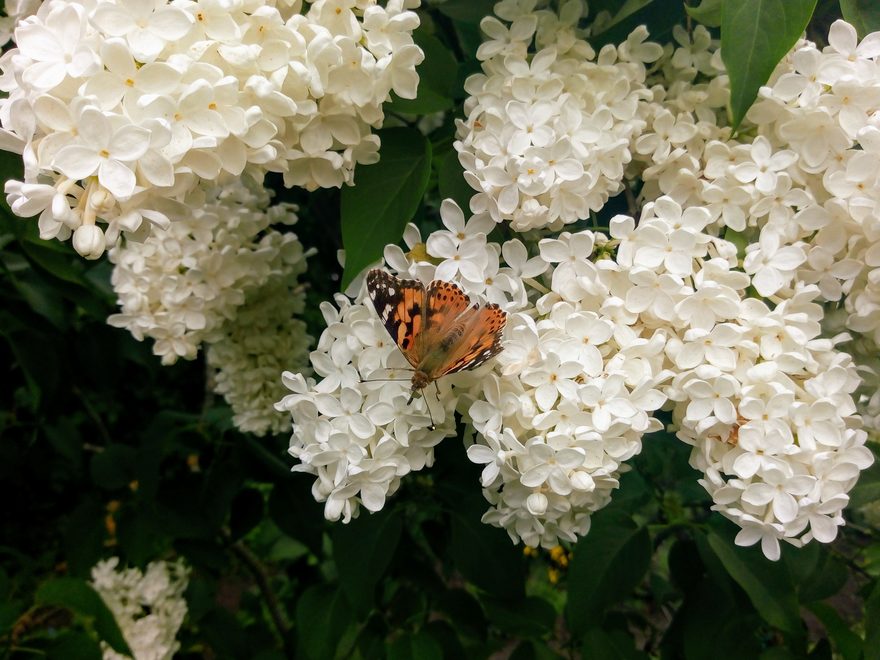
x: 401, y: 306
x: 480, y: 341
x: 457, y: 334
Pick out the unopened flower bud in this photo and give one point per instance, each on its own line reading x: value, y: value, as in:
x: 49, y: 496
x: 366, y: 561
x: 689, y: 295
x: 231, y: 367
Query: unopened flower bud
x: 89, y: 241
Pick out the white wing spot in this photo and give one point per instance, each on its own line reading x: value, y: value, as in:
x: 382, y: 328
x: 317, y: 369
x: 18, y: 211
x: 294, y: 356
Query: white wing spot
x: 391, y: 292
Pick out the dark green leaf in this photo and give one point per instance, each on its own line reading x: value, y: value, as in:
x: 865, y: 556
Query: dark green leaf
x: 78, y: 596
x: 363, y: 550
x: 485, y: 556
x: 614, y: 645
x: 437, y: 75
x: 708, y: 12
x: 74, y: 645
x: 385, y: 197
x: 755, y: 35
x: 113, y: 468
x: 83, y: 536
x: 659, y: 16
x: 141, y: 536
x: 608, y: 563
x: 767, y: 584
x: 863, y: 15
x: 530, y: 617
x: 847, y: 643
x: 713, y: 627
x: 415, y: 646
x: 868, y: 487
x: 872, y: 625
x: 294, y: 510
x: 246, y: 512
x: 322, y: 615
x: 816, y: 573
x: 451, y: 181
x: 466, y: 11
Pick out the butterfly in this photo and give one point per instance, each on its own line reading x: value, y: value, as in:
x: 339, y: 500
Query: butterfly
x: 436, y: 327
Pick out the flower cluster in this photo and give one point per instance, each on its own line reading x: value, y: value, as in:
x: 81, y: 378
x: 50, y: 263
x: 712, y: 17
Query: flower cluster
x: 549, y: 122
x: 224, y: 277
x: 264, y: 338
x: 602, y: 331
x: 149, y: 607
x: 121, y: 105
x: 15, y: 11
x: 766, y: 401
x: 182, y: 284
x: 552, y: 419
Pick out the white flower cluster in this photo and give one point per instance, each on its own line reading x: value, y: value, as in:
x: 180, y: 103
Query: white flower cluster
x: 15, y: 11
x: 182, y: 284
x: 804, y: 189
x: 555, y: 415
x: 595, y: 344
x: 120, y: 105
x: 766, y: 401
x: 223, y: 277
x: 149, y: 607
x: 549, y: 123
x: 263, y: 339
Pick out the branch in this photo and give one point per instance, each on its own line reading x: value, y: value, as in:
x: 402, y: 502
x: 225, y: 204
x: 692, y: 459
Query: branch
x: 253, y: 563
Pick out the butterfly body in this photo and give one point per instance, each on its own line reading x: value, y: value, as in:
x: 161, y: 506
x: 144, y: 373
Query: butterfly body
x: 436, y: 327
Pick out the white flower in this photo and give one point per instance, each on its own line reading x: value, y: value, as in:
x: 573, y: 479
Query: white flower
x: 153, y: 98
x: 149, y: 607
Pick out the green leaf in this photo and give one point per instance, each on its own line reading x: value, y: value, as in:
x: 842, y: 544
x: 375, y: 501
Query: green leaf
x: 415, y: 646
x: 767, y: 584
x: 437, y: 75
x: 872, y: 625
x: 608, y: 564
x: 322, y: 615
x: 755, y: 35
x: 863, y: 15
x: 660, y: 17
x: 610, y: 645
x: 246, y: 512
x: 451, y: 181
x: 867, y: 489
x: 466, y: 11
x: 847, y: 643
x: 294, y: 510
x: 78, y: 596
x: 485, y: 556
x: 113, y: 468
x: 708, y: 12
x: 713, y: 627
x: 816, y: 573
x: 530, y: 617
x: 385, y: 197
x: 74, y: 645
x: 363, y: 550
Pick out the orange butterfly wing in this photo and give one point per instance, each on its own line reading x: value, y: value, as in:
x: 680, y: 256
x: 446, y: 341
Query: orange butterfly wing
x: 400, y: 304
x: 480, y: 341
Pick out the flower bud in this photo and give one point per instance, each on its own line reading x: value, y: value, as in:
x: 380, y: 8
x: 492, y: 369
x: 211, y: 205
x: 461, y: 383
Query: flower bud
x: 537, y: 504
x: 89, y: 241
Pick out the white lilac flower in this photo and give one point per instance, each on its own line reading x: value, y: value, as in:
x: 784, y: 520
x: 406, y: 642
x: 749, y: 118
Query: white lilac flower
x: 119, y: 106
x: 183, y: 284
x: 552, y: 432
x: 148, y: 606
x: 548, y: 126
x: 262, y: 340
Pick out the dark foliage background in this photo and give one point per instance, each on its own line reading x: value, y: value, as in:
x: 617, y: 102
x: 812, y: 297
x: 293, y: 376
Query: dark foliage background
x: 105, y: 452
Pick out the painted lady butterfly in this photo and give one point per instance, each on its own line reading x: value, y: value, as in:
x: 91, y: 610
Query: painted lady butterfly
x: 436, y: 327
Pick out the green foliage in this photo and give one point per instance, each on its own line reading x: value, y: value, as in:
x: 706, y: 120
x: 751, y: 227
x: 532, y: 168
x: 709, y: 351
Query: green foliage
x: 104, y: 452
x: 864, y: 15
x: 376, y: 210
x: 755, y: 35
